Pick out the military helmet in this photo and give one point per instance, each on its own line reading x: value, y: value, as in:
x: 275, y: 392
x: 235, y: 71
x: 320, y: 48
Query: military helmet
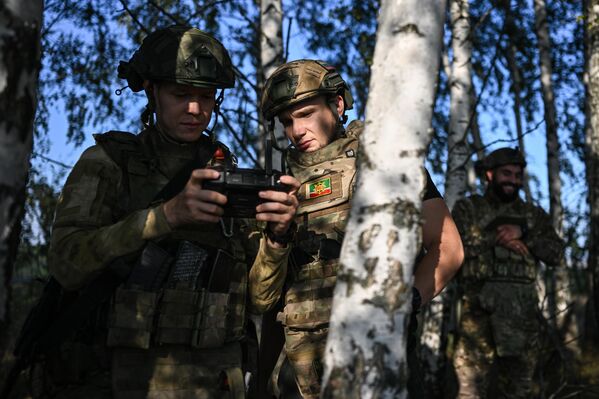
x: 500, y: 157
x: 301, y: 80
x: 179, y: 54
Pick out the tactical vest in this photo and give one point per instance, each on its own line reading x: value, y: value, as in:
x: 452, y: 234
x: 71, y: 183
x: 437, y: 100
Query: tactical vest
x: 199, y: 300
x: 496, y: 263
x: 327, y: 178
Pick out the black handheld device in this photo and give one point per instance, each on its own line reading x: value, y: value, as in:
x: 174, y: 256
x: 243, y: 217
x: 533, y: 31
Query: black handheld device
x: 241, y: 186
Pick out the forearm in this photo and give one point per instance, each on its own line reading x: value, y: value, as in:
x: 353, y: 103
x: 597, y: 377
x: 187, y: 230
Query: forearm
x: 436, y: 269
x: 267, y: 276
x: 77, y: 254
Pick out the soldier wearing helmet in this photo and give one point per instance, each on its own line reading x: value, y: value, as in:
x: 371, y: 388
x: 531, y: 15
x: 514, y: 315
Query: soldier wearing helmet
x: 134, y: 206
x: 310, y: 98
x: 504, y: 240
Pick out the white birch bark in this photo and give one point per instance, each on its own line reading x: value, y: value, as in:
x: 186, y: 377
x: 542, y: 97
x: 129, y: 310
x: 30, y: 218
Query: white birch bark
x: 592, y: 140
x: 555, y: 184
x: 366, y: 350
x: 271, y: 56
x: 456, y: 181
x: 20, y: 23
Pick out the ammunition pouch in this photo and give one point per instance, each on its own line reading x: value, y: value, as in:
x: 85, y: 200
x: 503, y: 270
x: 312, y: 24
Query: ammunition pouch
x: 194, y: 306
x: 308, y: 300
x: 500, y: 264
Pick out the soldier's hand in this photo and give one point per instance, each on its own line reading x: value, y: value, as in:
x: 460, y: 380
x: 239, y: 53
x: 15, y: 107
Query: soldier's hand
x: 279, y: 207
x: 508, y: 232
x: 193, y: 204
x: 517, y: 246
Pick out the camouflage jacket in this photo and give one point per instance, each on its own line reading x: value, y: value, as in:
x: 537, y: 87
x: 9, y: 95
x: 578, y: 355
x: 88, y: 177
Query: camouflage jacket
x: 90, y: 229
x: 327, y: 177
x: 477, y: 218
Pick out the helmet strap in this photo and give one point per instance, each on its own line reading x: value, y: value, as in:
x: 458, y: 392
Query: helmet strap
x: 147, y: 116
x: 217, y: 103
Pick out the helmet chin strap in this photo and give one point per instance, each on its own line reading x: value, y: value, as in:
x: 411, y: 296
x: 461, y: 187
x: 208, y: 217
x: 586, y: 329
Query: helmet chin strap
x: 217, y: 103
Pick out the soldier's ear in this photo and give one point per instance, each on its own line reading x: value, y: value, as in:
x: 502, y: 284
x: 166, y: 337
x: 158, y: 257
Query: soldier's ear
x: 489, y: 175
x: 340, y: 105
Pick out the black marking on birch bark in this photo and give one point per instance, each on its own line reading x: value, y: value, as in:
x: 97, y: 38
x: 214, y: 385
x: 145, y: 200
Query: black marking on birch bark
x: 346, y: 382
x: 368, y: 236
x: 407, y: 28
x: 392, y: 239
x: 394, y: 291
x: 412, y: 153
x: 370, y: 266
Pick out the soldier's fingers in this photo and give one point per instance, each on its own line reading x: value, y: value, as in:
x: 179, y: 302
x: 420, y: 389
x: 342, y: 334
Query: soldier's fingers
x: 199, y: 175
x: 292, y: 182
x: 211, y: 196
x: 276, y: 196
x: 273, y: 207
x: 208, y: 208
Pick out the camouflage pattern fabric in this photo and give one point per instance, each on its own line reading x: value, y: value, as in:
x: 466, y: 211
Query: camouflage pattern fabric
x: 327, y: 178
x: 499, y: 318
x: 178, y: 341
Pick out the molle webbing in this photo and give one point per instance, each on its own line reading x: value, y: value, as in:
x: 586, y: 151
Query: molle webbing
x: 174, y: 372
x: 308, y: 299
x: 497, y: 263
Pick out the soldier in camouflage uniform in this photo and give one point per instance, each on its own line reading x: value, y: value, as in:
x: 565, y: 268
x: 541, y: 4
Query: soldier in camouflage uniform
x: 310, y: 98
x: 504, y: 239
x: 174, y: 328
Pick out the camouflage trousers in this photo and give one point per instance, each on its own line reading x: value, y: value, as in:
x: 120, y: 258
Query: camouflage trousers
x: 305, y: 351
x: 166, y: 372
x: 497, y: 330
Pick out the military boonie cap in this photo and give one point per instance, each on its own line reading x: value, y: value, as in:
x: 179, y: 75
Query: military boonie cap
x: 179, y: 54
x: 501, y: 157
x: 301, y: 80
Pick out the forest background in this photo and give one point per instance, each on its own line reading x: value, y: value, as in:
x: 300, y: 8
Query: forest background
x: 525, y: 83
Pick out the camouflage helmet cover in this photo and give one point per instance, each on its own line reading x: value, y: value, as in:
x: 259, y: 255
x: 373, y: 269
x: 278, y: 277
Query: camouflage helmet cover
x: 501, y: 157
x: 179, y: 54
x: 301, y: 80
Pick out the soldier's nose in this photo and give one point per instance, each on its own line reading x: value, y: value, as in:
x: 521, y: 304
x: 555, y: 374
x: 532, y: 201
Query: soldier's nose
x: 193, y: 107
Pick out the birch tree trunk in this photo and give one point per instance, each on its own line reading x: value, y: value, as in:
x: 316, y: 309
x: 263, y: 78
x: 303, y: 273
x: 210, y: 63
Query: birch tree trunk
x: 20, y: 23
x: 271, y: 56
x: 458, y: 152
x: 517, y: 92
x: 366, y: 349
x: 555, y: 184
x: 592, y: 140
x: 457, y: 183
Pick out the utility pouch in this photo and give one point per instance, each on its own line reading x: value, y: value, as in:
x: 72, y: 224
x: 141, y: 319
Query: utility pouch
x: 210, y: 325
x: 131, y: 319
x: 151, y: 270
x: 329, y: 249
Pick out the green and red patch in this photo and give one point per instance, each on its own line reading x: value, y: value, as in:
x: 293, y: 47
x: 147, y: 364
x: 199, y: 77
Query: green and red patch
x: 320, y: 188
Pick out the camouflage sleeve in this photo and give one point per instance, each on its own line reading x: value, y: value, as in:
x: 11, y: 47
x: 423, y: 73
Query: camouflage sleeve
x: 267, y: 276
x: 86, y: 237
x: 474, y: 239
x: 542, y: 240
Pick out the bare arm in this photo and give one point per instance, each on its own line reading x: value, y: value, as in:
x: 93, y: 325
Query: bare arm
x: 444, y: 251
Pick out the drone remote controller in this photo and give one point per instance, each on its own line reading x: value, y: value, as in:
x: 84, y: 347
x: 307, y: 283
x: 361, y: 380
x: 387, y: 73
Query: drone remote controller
x: 241, y: 186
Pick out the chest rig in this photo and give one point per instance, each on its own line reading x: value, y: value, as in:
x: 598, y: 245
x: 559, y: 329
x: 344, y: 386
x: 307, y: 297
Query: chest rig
x: 496, y: 263
x: 327, y: 177
x: 189, y: 288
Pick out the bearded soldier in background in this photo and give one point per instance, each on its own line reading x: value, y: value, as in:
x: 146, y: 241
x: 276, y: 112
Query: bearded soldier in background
x: 133, y: 211
x: 310, y: 98
x: 504, y: 240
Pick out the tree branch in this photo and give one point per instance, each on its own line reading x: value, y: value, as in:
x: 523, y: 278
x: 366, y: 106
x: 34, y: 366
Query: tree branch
x: 133, y: 17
